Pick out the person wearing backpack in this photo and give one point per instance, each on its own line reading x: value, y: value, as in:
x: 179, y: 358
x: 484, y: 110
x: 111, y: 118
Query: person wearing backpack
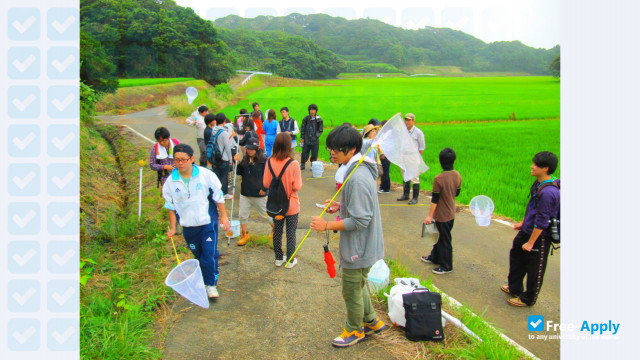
x: 197, y: 119
x: 288, y: 125
x: 283, y: 179
x: 530, y: 250
x: 252, y: 193
x: 360, y: 226
x: 310, y: 132
x: 219, y: 154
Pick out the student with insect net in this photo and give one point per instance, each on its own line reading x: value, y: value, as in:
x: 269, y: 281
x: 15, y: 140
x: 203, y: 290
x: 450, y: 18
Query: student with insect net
x: 361, y: 241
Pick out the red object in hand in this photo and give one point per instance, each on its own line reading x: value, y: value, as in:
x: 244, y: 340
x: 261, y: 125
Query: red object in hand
x: 328, y: 259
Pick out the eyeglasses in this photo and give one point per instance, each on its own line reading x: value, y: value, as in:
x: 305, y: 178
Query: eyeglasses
x: 342, y: 150
x: 180, y: 161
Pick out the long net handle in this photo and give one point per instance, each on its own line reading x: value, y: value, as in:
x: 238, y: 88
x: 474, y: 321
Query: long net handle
x: 330, y: 202
x: 174, y: 249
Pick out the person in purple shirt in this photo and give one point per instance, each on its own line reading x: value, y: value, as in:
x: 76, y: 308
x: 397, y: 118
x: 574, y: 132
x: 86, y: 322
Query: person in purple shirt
x: 530, y: 250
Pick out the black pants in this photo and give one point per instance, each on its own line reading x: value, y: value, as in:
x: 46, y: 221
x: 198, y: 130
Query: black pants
x: 203, y: 152
x: 221, y: 170
x: 385, y: 180
x: 442, y: 252
x: 530, y: 263
x: 305, y: 153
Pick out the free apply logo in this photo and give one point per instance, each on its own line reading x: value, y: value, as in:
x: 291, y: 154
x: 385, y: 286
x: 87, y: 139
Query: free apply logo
x: 537, y: 323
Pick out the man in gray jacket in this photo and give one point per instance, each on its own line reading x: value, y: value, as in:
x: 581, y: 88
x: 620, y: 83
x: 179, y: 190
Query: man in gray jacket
x: 221, y: 168
x: 361, y: 242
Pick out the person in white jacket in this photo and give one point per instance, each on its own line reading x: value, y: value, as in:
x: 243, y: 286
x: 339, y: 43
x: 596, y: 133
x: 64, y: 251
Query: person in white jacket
x: 197, y: 119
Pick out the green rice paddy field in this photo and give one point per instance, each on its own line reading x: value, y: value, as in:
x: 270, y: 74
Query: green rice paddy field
x: 493, y: 157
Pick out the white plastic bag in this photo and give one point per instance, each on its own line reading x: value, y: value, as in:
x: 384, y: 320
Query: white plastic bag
x: 396, y: 310
x: 378, y: 276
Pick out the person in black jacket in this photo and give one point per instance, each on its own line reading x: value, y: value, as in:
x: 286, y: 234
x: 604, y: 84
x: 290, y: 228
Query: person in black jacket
x: 252, y: 192
x: 310, y: 135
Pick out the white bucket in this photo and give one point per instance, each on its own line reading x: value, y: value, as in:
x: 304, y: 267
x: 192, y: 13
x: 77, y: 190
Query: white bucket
x: 235, y: 228
x: 317, y: 168
x: 186, y: 280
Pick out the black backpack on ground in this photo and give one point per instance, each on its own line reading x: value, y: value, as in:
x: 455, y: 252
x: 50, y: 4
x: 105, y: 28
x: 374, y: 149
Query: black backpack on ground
x: 277, y: 200
x: 423, y: 312
x: 214, y: 155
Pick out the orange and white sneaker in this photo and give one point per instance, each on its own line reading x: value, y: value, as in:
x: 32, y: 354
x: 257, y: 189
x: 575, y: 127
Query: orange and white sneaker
x: 375, y: 326
x: 348, y: 338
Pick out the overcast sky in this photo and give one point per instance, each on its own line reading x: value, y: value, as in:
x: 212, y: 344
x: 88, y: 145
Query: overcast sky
x: 534, y: 22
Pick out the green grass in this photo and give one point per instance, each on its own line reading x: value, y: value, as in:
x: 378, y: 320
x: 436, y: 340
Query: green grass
x: 492, y: 346
x: 431, y: 99
x: 346, y: 76
x: 153, y: 81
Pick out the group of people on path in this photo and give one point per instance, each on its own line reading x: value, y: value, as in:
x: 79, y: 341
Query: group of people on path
x: 194, y: 197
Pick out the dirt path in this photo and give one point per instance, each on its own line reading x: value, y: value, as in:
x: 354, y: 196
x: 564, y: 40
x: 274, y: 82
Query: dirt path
x: 266, y: 312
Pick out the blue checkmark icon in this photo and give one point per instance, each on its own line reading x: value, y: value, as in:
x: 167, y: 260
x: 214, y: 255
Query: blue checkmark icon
x: 535, y: 322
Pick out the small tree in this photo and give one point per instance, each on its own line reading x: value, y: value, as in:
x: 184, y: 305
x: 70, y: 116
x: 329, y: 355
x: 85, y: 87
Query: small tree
x: 555, y: 67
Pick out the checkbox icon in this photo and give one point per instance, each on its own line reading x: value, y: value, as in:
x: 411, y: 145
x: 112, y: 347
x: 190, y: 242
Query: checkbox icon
x: 63, y: 24
x: 23, y: 257
x: 63, y: 257
x: 535, y: 322
x: 24, y: 63
x: 63, y: 140
x: 63, y: 334
x: 63, y: 102
x: 24, y: 295
x: 62, y: 63
x: 24, y: 141
x: 24, y: 102
x: 63, y: 179
x: 24, y: 179
x: 63, y: 218
x: 63, y: 296
x: 24, y: 334
x: 24, y: 24
x: 24, y: 218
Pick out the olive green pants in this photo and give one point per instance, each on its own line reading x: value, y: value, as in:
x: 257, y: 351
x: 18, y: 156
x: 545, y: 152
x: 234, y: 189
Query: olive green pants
x: 356, y: 298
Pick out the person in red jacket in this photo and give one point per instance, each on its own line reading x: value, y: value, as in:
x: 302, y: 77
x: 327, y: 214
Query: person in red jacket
x: 257, y: 122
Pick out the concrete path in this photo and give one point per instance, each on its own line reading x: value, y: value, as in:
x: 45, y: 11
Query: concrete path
x: 480, y: 259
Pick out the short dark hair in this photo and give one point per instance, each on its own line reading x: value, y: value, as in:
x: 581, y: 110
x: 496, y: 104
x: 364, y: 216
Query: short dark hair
x: 248, y: 124
x: 202, y: 109
x: 374, y: 121
x: 162, y: 133
x: 344, y: 138
x: 284, y: 108
x: 220, y: 118
x: 254, y: 104
x: 546, y: 159
x: 183, y: 148
x: 281, y: 146
x: 243, y: 111
x: 447, y: 158
x: 209, y: 118
x: 313, y: 107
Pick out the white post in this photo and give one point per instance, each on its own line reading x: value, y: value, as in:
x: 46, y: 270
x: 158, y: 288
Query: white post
x: 140, y: 196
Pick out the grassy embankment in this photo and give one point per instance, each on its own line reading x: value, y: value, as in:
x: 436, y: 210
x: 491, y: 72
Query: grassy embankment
x: 123, y: 300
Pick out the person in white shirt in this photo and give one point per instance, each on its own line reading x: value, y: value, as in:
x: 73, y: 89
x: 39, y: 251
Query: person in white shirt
x: 418, y: 137
x: 193, y: 194
x: 197, y: 119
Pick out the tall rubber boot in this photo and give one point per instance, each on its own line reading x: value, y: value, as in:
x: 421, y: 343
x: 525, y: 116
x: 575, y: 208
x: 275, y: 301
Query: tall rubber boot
x: 245, y: 237
x: 416, y: 192
x: 405, y: 194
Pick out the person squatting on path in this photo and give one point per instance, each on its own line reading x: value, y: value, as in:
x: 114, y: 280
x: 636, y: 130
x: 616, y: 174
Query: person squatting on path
x: 418, y: 137
x: 194, y: 193
x: 292, y: 182
x: 161, y: 156
x: 252, y: 192
x: 530, y: 250
x: 221, y: 168
x: 271, y: 130
x: 310, y: 132
x: 446, y: 187
x: 361, y: 242
x: 288, y: 125
x: 197, y: 119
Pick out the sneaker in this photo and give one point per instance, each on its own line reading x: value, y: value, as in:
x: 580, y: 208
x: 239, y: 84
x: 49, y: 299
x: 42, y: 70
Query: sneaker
x: 505, y: 288
x: 516, y: 302
x: 441, y: 270
x: 374, y: 327
x: 212, y: 292
x: 383, y: 192
x: 427, y: 259
x: 348, y: 338
x: 228, y: 197
x: 281, y: 262
x: 293, y: 263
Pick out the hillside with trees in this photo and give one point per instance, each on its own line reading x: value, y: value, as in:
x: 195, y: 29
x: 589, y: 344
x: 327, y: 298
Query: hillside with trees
x: 374, y: 41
